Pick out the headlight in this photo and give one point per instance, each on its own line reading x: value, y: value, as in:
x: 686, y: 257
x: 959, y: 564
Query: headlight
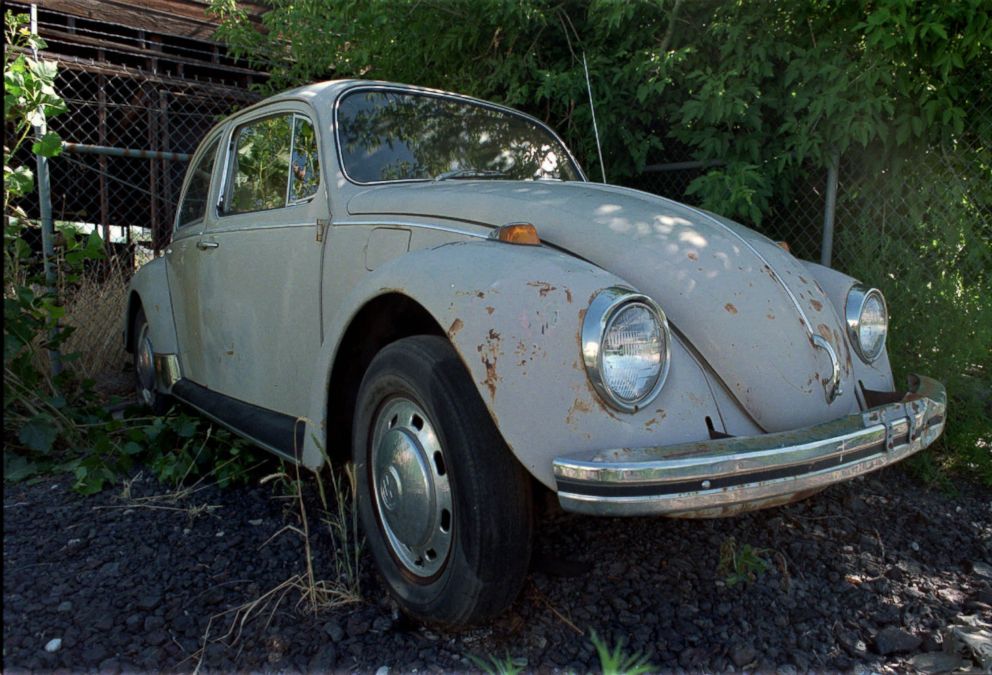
x: 867, y: 321
x: 626, y: 348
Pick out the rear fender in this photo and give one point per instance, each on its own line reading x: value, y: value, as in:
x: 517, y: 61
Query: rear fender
x: 149, y: 289
x: 514, y: 315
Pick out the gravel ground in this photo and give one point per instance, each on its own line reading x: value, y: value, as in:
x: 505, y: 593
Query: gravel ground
x: 873, y: 574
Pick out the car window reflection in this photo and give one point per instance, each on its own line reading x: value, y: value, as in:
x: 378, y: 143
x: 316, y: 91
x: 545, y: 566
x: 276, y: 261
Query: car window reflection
x: 386, y: 135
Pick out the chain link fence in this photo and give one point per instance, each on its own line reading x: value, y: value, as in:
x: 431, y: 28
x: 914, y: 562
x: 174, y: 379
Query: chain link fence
x: 130, y: 201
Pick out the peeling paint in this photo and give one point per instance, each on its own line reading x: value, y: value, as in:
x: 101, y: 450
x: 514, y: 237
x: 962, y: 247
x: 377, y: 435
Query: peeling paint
x: 730, y: 308
x: 543, y: 287
x: 455, y: 326
x: 490, y: 309
x: 568, y: 296
x: 579, y: 405
x: 490, y: 352
x: 816, y: 304
x: 770, y: 316
x: 692, y: 255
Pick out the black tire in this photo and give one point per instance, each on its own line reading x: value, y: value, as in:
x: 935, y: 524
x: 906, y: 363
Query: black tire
x: 487, y: 553
x: 144, y: 367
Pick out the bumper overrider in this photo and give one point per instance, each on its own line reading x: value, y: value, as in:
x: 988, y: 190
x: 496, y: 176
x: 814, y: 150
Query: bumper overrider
x: 728, y: 475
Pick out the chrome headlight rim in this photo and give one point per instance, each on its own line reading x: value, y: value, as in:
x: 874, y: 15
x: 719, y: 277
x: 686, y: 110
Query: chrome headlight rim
x: 857, y: 297
x: 606, y: 306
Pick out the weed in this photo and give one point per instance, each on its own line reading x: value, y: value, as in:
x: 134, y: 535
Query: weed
x: 616, y: 662
x: 744, y: 565
x: 496, y: 666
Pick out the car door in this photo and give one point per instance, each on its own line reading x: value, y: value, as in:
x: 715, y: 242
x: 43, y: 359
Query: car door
x: 183, y: 260
x: 260, y: 306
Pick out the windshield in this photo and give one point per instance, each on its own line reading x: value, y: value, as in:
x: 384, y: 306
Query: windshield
x: 393, y: 135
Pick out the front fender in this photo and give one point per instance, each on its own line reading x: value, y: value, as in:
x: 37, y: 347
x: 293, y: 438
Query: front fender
x: 149, y: 289
x: 514, y: 315
x: 836, y: 285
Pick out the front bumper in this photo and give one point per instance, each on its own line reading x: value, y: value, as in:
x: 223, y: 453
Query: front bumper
x: 724, y: 476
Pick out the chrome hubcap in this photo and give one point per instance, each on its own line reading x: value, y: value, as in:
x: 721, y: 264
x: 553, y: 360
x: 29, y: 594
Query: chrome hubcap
x: 411, y: 488
x: 145, y: 365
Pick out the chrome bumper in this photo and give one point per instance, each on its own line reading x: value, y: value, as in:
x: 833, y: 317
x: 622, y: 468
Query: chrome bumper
x: 724, y: 476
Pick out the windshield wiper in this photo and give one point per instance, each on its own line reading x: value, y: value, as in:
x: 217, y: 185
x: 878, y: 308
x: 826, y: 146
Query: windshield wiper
x: 468, y: 173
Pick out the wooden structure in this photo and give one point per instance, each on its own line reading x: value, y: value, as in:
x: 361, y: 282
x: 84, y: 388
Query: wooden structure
x: 145, y: 75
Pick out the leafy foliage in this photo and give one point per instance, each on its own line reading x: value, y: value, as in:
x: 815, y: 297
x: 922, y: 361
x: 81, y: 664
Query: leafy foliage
x: 57, y: 422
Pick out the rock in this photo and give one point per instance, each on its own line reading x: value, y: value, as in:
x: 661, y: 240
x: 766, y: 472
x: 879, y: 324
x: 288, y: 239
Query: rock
x: 156, y: 637
x: 148, y: 602
x: 982, y: 569
x: 104, y: 623
x: 95, y: 653
x: 64, y: 606
x: 383, y: 670
x: 334, y: 631
x: 358, y: 625
x: 894, y: 640
x: 742, y: 655
x: 937, y: 662
x: 324, y: 660
x: 786, y: 669
x: 851, y: 643
x: 382, y: 624
x: 53, y: 645
x: 887, y: 614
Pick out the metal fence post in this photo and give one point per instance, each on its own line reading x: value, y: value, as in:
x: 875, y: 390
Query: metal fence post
x: 829, y: 209
x: 47, y: 224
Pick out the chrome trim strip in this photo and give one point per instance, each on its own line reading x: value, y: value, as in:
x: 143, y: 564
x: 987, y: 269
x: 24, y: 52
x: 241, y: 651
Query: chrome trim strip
x: 407, y: 223
x: 726, y: 475
x: 438, y: 94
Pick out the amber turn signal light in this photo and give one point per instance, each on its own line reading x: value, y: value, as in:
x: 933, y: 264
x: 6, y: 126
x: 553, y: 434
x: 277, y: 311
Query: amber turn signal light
x: 524, y: 234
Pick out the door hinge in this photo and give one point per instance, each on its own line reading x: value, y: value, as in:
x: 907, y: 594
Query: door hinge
x: 322, y: 224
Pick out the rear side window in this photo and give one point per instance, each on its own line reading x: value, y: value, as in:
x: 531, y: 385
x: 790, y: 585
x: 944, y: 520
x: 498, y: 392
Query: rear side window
x: 274, y: 163
x: 195, y: 200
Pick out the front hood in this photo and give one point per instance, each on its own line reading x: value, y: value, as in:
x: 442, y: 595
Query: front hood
x: 748, y: 308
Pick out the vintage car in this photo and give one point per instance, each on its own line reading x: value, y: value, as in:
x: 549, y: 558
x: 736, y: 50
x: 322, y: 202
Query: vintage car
x: 429, y: 286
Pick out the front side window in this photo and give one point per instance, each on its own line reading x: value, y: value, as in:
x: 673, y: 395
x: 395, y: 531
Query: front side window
x: 398, y: 135
x: 260, y: 171
x: 195, y: 200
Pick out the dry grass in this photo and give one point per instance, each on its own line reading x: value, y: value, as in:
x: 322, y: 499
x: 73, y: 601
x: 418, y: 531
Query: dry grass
x: 312, y: 594
x: 95, y: 307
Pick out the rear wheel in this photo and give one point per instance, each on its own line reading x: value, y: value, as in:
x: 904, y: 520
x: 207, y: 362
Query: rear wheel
x: 445, y: 506
x: 145, y: 378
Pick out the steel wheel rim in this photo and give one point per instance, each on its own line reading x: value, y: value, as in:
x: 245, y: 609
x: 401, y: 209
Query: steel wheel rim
x: 145, y: 365
x: 410, y: 487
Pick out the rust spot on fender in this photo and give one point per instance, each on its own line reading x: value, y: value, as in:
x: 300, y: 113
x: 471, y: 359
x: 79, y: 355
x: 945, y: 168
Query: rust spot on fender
x: 816, y: 304
x: 825, y: 331
x: 803, y: 279
x: 692, y: 255
x: 730, y: 308
x: 455, y: 326
x: 543, y: 287
x: 568, y: 296
x: 490, y: 352
x: 770, y: 316
x: 578, y: 405
x: 490, y: 309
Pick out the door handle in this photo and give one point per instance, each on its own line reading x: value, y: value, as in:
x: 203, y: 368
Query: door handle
x: 204, y: 245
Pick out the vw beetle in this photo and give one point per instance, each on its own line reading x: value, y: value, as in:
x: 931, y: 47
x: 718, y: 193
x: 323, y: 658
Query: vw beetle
x: 428, y: 286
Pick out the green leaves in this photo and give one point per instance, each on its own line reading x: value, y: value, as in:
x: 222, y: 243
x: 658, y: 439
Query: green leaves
x: 38, y: 434
x: 50, y: 145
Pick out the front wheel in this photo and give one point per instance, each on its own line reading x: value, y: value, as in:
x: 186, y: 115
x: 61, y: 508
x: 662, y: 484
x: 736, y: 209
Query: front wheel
x: 445, y: 506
